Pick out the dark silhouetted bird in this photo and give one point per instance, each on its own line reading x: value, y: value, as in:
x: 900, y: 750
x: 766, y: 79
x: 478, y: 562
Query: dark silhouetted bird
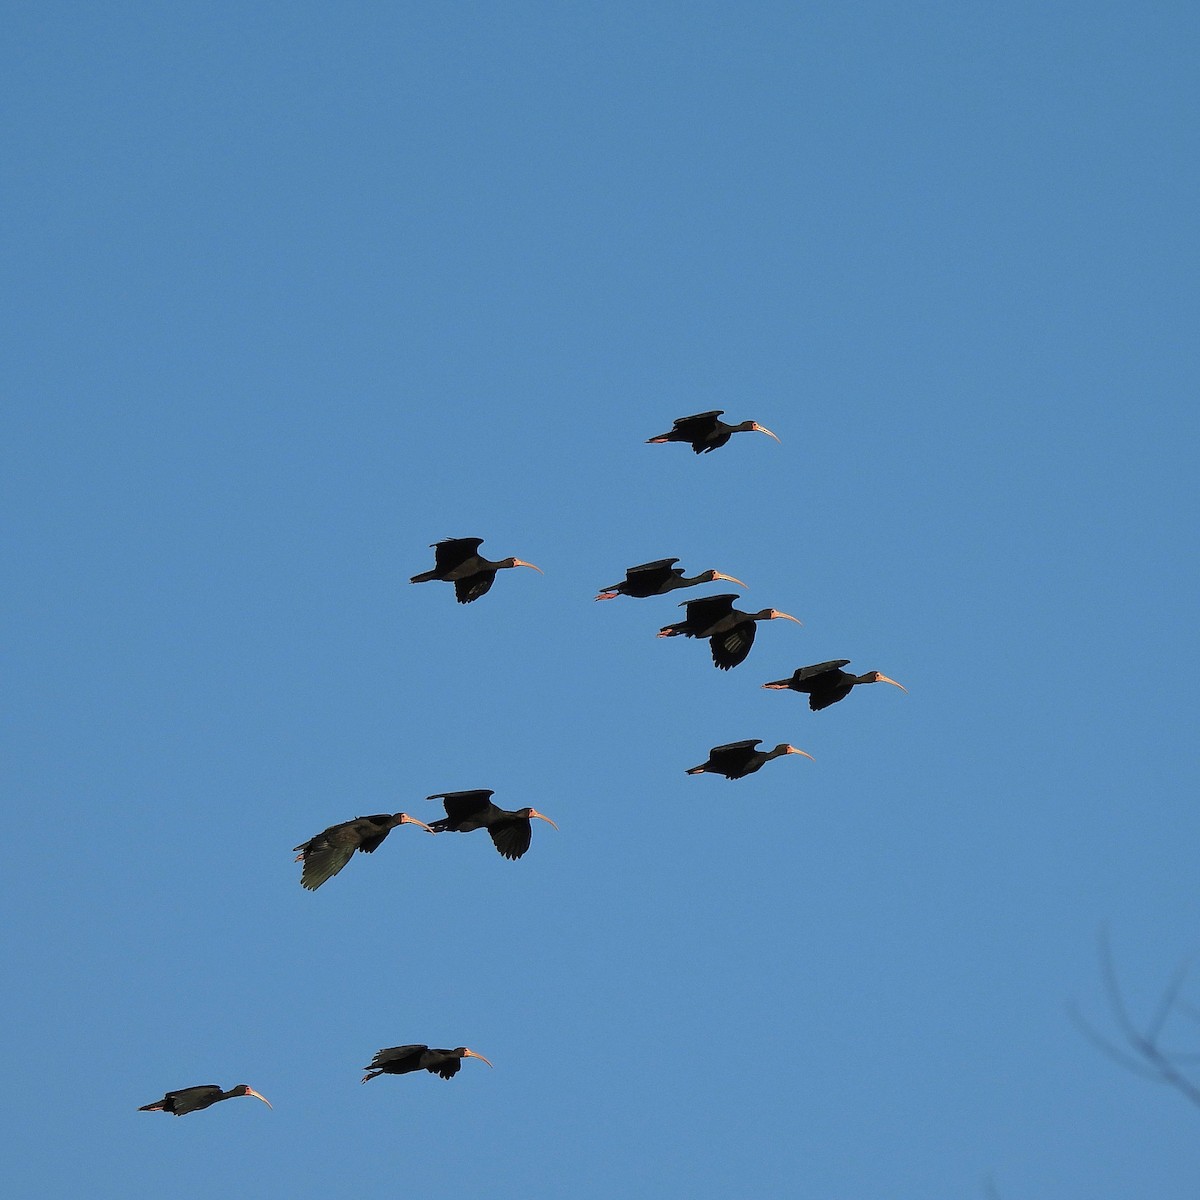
x: 193, y: 1099
x: 706, y: 431
x: 327, y: 853
x: 400, y: 1060
x: 739, y: 759
x: 465, y: 811
x: 730, y: 631
x: 826, y: 683
x: 457, y: 561
x: 658, y: 578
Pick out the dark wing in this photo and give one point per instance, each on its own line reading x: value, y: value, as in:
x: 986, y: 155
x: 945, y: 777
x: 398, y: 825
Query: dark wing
x: 647, y: 570
x: 447, y: 1068
x: 462, y: 806
x: 512, y: 837
x: 396, y: 1054
x: 731, y: 647
x: 473, y: 586
x: 708, y: 610
x: 369, y: 842
x: 187, y: 1100
x: 735, y: 746
x: 801, y: 674
x: 698, y: 424
x: 327, y: 853
x: 823, y: 697
x: 451, y: 552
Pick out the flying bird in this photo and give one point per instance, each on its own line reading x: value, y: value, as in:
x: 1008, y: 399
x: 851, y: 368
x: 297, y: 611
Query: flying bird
x: 466, y: 811
x: 327, y: 853
x: 400, y: 1060
x: 730, y: 631
x: 458, y: 561
x: 826, y: 683
x: 707, y: 432
x: 193, y: 1099
x: 739, y: 759
x: 658, y: 578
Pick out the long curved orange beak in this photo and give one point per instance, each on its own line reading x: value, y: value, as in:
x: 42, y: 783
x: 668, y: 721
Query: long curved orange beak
x: 775, y: 613
x: 718, y: 575
x: 793, y: 750
x: 763, y: 429
x: 884, y: 679
x: 407, y: 820
x: 472, y: 1054
x: 258, y: 1096
x: 533, y: 812
x: 520, y: 562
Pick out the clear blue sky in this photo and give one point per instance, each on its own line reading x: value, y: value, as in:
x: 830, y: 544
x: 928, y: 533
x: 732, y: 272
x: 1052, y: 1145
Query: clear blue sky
x: 297, y: 289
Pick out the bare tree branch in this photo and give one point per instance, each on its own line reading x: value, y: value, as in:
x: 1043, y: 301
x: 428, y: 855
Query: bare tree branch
x: 1144, y: 1056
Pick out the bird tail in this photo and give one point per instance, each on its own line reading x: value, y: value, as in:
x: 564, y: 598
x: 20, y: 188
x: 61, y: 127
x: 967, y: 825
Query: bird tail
x: 424, y: 577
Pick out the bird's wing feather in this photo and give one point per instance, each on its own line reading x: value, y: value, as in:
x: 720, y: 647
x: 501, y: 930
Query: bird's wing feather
x: 395, y: 1053
x: 462, y: 805
x: 698, y: 421
x: 473, y: 586
x: 824, y: 697
x: 803, y: 673
x: 735, y: 746
x: 651, y: 568
x: 709, y: 609
x: 447, y: 1068
x: 512, y: 837
x: 449, y: 552
x: 323, y: 861
x: 731, y: 647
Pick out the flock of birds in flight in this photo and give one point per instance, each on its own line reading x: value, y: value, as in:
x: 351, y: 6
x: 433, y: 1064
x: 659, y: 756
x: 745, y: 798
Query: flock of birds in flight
x: 730, y: 635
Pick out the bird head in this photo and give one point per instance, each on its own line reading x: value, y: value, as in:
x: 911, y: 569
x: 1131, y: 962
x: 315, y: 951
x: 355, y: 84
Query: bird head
x: 533, y: 812
x: 520, y: 562
x: 463, y: 1052
x: 879, y: 677
x: 244, y: 1089
x: 713, y: 576
x: 773, y: 614
x: 784, y: 748
x: 405, y: 819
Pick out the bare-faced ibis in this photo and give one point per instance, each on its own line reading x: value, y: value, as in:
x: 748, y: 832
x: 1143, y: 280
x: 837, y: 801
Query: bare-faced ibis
x: 730, y: 631
x: 458, y: 561
x: 826, y: 683
x: 465, y: 811
x: 739, y: 759
x: 707, y: 432
x: 658, y: 578
x: 327, y: 853
x: 193, y: 1099
x: 400, y: 1060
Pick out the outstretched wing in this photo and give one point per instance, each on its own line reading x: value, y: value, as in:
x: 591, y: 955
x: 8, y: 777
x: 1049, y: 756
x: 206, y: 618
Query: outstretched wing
x: 473, y: 586
x: 463, y: 806
x: 731, y: 647
x: 698, y: 424
x: 735, y: 747
x: 451, y: 552
x: 708, y: 610
x: 803, y: 674
x: 447, y: 1068
x: 647, y: 571
x: 512, y: 838
x: 397, y: 1054
x: 327, y: 853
